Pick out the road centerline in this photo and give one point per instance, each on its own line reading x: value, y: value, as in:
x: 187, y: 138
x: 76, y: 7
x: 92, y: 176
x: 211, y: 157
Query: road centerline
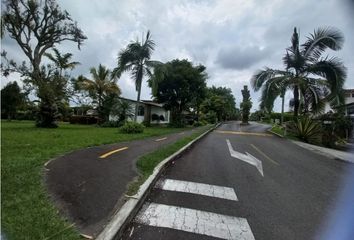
x: 245, y: 133
x: 160, y: 139
x: 198, y: 188
x: 195, y: 221
x: 264, y: 155
x: 112, y: 152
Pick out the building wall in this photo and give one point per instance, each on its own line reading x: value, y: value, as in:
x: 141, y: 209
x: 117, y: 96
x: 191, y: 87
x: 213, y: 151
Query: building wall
x: 160, y: 111
x: 348, y: 98
x: 154, y: 110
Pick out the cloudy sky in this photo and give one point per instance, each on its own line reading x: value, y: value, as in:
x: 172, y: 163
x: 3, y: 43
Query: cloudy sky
x: 232, y: 38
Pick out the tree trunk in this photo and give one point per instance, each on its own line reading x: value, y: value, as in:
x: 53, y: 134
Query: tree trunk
x: 282, y: 109
x: 296, y: 101
x: 137, y: 105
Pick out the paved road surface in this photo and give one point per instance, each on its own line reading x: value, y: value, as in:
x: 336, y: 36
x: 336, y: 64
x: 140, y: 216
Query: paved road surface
x: 88, y: 185
x: 209, y: 194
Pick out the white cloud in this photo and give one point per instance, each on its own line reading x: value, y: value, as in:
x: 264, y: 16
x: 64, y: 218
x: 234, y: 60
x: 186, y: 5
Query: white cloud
x: 231, y: 38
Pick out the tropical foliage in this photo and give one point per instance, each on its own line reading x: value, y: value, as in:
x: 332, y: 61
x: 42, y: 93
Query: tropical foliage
x: 37, y: 26
x: 123, y: 110
x: 101, y: 88
x: 179, y: 86
x: 218, y: 105
x: 314, y: 79
x: 306, y: 129
x: 135, y: 58
x: 132, y: 127
x: 246, y: 104
x: 11, y: 100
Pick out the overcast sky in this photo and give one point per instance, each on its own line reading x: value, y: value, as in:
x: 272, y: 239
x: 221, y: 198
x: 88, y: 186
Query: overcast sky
x: 231, y: 38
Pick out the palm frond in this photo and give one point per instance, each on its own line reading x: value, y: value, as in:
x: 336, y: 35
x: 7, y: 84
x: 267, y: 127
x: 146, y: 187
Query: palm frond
x: 320, y: 40
x: 262, y: 76
x: 332, y: 70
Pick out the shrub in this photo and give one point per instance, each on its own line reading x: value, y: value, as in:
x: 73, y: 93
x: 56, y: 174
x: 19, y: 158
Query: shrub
x: 76, y: 119
x: 198, y: 124
x: 132, y: 127
x: 336, y: 127
x: 306, y: 129
x: 112, y: 124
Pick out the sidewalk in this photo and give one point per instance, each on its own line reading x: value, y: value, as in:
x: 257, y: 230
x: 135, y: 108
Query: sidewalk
x: 328, y: 152
x: 88, y: 185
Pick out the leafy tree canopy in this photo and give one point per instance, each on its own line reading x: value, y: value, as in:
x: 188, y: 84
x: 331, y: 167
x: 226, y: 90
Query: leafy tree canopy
x: 11, y: 99
x: 38, y: 26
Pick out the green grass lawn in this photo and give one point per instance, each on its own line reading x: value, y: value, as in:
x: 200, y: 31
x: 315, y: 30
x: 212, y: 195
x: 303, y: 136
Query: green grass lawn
x: 27, y: 212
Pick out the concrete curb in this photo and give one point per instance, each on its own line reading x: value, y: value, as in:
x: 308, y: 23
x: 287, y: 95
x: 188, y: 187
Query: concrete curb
x: 330, y: 153
x: 327, y: 152
x: 116, y: 226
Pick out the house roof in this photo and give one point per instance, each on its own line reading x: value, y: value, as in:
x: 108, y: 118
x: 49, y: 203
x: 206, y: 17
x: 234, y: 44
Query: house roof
x: 146, y: 102
x: 149, y: 102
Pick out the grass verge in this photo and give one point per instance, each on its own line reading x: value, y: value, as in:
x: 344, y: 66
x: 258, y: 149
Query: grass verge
x: 147, y: 163
x: 278, y: 129
x: 27, y: 212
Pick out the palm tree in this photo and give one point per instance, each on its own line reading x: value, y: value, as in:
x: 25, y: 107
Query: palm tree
x: 62, y: 62
x: 100, y: 87
x: 312, y: 78
x: 136, y: 59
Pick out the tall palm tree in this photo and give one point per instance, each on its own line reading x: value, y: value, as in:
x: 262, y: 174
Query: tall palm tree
x: 62, y: 62
x: 312, y: 78
x: 100, y: 87
x: 135, y: 58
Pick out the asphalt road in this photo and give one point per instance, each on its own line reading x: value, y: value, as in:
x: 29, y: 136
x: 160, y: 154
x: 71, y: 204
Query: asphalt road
x: 195, y: 199
x: 88, y: 189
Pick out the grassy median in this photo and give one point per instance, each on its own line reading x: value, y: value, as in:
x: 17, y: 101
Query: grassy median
x: 147, y: 163
x: 27, y: 212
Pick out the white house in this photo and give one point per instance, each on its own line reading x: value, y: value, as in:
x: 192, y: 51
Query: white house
x: 148, y: 112
x: 348, y: 99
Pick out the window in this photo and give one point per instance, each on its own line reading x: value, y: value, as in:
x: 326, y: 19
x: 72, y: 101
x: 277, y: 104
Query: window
x: 141, y: 111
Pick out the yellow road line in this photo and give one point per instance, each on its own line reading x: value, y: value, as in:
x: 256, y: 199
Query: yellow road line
x: 114, y: 151
x: 245, y: 133
x: 264, y: 155
x: 160, y: 139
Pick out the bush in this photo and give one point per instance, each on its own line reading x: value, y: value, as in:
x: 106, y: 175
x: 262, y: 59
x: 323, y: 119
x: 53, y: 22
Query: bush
x: 335, y: 128
x: 198, y: 124
x: 75, y: 119
x: 209, y: 117
x: 306, y: 129
x: 132, y: 127
x: 112, y: 124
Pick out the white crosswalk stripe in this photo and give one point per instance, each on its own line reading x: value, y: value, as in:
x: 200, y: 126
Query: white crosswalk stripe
x: 195, y: 221
x: 198, y: 188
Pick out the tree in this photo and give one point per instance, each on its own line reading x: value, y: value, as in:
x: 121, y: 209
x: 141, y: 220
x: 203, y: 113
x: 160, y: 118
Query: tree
x: 38, y: 26
x: 221, y: 101
x: 246, y: 104
x: 177, y: 84
x: 102, y: 89
x: 62, y: 62
x: 135, y: 58
x: 11, y: 99
x: 123, y: 110
x: 312, y: 78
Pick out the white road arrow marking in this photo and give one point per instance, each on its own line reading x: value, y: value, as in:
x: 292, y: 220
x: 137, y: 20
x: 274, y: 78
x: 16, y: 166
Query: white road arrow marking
x: 248, y: 158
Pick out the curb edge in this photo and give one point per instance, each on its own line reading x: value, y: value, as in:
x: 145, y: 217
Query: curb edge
x: 126, y: 213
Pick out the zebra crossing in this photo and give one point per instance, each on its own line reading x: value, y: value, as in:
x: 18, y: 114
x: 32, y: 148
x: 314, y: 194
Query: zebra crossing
x: 193, y: 220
